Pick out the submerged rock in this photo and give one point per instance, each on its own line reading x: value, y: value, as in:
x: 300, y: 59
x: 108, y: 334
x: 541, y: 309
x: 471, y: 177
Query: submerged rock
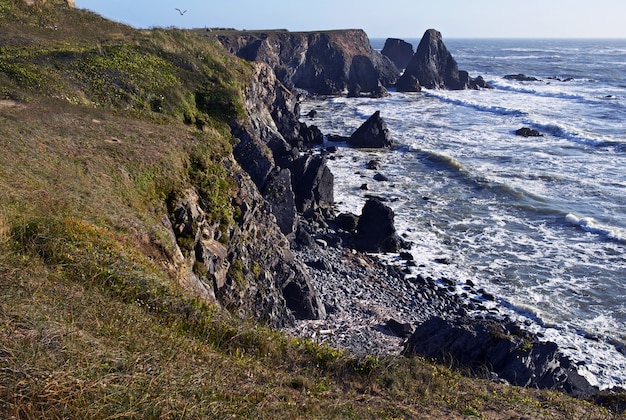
x: 528, y: 132
x: 521, y: 77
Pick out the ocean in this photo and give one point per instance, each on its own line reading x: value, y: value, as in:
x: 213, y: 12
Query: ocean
x: 538, y: 222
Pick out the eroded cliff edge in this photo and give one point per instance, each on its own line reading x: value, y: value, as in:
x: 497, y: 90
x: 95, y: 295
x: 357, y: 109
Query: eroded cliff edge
x: 327, y: 62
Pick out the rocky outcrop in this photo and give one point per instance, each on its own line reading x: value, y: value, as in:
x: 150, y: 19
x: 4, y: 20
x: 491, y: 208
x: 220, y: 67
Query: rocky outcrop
x: 375, y: 230
x: 398, y: 51
x: 503, y: 348
x: 249, y: 268
x: 313, y: 185
x: 317, y: 62
x: 521, y: 77
x: 528, y: 132
x: 372, y: 134
x: 433, y: 67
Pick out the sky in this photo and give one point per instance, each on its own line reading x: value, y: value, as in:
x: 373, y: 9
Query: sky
x: 380, y: 18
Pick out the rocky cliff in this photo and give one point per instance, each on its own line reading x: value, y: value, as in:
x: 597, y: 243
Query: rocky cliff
x: 317, y: 62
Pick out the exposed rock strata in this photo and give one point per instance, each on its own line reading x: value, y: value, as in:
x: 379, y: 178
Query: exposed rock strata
x: 250, y: 269
x: 317, y: 62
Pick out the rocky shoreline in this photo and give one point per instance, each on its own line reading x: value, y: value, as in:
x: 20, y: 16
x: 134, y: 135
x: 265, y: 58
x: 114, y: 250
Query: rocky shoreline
x: 339, y: 288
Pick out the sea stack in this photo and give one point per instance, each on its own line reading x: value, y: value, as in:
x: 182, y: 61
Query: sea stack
x: 433, y: 66
x: 398, y: 51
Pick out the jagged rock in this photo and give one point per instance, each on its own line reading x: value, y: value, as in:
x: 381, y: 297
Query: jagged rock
x: 408, y: 83
x: 480, y: 82
x: 521, y: 78
x: 502, y: 347
x: 376, y: 231
x: 260, y: 278
x: 433, y: 65
x: 313, y: 183
x: 317, y: 62
x: 311, y: 135
x: 373, y: 133
x: 279, y: 194
x: 312, y: 114
x: 399, y: 52
x: 528, y: 132
x: 253, y: 155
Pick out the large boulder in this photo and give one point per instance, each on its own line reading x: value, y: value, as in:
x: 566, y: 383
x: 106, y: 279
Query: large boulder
x: 375, y: 230
x: 372, y: 134
x: 313, y: 184
x: 503, y: 348
x: 398, y: 51
x: 433, y: 65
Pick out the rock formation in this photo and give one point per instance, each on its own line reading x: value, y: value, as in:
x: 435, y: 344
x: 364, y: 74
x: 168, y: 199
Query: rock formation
x: 372, y: 134
x: 249, y: 269
x: 528, y: 132
x: 317, y: 62
x: 503, y: 348
x: 399, y: 52
x: 375, y: 230
x: 433, y: 67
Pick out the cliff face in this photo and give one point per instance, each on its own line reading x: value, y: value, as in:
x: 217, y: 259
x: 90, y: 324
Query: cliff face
x: 318, y: 62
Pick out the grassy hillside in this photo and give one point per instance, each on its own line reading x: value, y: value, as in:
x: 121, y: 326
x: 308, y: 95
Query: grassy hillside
x: 99, y: 125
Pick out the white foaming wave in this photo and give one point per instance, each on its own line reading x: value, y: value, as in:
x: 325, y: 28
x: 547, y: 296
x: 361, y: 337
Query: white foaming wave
x: 525, y: 89
x: 589, y: 224
x: 449, y: 98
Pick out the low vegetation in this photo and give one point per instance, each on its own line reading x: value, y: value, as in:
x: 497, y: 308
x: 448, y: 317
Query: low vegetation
x: 100, y: 125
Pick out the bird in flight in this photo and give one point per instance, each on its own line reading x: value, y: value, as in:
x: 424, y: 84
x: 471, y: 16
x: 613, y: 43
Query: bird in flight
x: 182, y: 12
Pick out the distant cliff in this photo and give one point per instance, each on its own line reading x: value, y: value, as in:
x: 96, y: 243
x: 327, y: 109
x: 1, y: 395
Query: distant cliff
x: 328, y: 62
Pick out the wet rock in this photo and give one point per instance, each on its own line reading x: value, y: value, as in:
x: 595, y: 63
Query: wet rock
x: 376, y: 231
x: 373, y: 134
x: 521, y: 77
x: 528, y: 132
x: 373, y: 165
x: 380, y: 178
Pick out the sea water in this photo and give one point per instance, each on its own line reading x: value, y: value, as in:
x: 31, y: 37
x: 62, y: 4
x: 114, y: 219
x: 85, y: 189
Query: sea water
x: 538, y: 222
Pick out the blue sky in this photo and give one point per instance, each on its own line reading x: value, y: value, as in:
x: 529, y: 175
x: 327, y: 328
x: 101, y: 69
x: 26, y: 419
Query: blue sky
x: 402, y: 18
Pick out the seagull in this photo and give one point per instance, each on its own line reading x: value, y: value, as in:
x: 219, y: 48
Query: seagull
x: 182, y: 12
